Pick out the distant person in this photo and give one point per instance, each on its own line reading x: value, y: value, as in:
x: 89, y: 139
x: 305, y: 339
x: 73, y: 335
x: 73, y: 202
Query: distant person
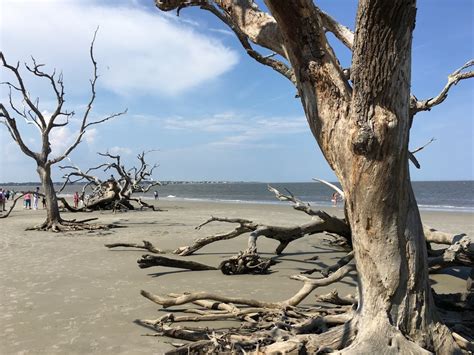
x: 43, y: 201
x: 2, y: 200
x: 7, y: 195
x: 335, y: 198
x: 111, y: 179
x: 156, y: 195
x: 27, y: 200
x: 76, y: 199
x: 36, y: 198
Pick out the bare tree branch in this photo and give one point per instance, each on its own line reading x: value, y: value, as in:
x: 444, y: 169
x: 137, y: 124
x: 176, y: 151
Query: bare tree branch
x: 22, y: 89
x: 453, y: 79
x: 11, y: 125
x: 411, y: 154
x: 343, y: 33
x: 84, y: 123
x: 332, y: 186
x: 259, y: 26
x: 244, y: 30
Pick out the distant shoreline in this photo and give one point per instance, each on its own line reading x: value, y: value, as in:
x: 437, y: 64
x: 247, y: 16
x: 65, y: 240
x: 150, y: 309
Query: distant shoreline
x: 200, y: 182
x: 447, y: 196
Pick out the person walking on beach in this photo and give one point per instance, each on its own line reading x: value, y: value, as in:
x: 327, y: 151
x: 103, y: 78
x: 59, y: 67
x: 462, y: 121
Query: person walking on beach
x: 43, y: 201
x: 27, y: 199
x: 156, y: 194
x: 36, y: 198
x: 76, y: 199
x: 335, y: 198
x: 2, y: 200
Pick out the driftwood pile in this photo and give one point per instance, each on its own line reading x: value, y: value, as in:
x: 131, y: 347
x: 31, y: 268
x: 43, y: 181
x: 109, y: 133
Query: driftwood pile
x: 287, y: 326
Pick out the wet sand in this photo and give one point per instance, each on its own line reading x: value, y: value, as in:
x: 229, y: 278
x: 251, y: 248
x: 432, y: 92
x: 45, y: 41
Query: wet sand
x: 68, y: 294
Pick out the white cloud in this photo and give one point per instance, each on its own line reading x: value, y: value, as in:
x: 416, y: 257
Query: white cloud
x: 239, y: 130
x: 60, y: 139
x: 91, y: 135
x: 120, y: 151
x: 139, y: 51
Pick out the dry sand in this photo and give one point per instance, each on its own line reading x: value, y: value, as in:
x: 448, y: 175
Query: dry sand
x: 68, y: 294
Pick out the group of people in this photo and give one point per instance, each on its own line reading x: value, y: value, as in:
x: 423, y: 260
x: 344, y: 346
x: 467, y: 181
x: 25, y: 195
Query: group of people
x: 30, y: 200
x: 35, y: 196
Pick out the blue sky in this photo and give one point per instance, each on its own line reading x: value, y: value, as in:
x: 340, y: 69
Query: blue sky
x: 211, y: 112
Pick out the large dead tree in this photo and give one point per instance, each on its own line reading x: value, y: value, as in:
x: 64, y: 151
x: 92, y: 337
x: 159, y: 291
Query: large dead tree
x: 116, y: 193
x: 361, y: 119
x: 11, y: 113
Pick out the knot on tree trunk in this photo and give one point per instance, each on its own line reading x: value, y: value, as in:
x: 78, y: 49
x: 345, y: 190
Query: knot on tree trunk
x: 364, y: 142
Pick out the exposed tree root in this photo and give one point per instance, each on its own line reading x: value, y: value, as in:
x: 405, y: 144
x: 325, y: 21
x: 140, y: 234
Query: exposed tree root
x: 146, y: 245
x: 71, y: 225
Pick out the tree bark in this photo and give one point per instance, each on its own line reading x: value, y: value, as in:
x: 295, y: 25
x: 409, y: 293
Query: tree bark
x: 364, y: 137
x: 52, y: 209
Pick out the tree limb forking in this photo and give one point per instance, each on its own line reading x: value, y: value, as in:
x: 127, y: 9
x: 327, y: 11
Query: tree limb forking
x: 260, y: 27
x: 33, y: 115
x: 84, y: 122
x: 453, y: 79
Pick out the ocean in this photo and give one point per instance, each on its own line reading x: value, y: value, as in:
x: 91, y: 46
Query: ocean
x: 451, y: 196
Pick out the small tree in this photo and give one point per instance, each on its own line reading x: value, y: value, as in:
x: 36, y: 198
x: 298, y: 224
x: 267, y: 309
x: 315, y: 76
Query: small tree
x: 30, y: 112
x: 361, y: 118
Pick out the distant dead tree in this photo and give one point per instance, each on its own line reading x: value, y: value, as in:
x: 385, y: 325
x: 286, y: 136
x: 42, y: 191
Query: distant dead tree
x: 114, y: 193
x: 30, y: 112
x: 361, y: 118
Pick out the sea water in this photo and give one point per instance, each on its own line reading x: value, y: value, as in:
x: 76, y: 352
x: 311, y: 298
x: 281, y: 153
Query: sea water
x: 455, y: 196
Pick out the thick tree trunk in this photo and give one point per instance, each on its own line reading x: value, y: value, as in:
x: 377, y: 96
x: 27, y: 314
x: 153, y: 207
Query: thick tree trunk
x: 390, y: 250
x: 363, y: 132
x: 52, y: 209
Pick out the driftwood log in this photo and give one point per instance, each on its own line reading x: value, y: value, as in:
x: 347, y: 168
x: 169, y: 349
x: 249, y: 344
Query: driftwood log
x: 146, y: 245
x: 116, y: 193
x: 321, y: 222
x: 242, y: 263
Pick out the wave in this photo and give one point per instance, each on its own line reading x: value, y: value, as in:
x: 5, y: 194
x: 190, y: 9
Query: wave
x: 423, y: 207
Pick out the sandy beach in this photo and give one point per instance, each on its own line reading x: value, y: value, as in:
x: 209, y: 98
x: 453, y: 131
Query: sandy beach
x: 68, y: 294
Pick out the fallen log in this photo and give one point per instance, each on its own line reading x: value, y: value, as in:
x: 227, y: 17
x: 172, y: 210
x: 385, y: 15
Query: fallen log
x: 147, y: 261
x: 146, y: 245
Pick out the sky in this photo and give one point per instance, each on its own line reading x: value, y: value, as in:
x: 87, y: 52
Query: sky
x: 207, y: 110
